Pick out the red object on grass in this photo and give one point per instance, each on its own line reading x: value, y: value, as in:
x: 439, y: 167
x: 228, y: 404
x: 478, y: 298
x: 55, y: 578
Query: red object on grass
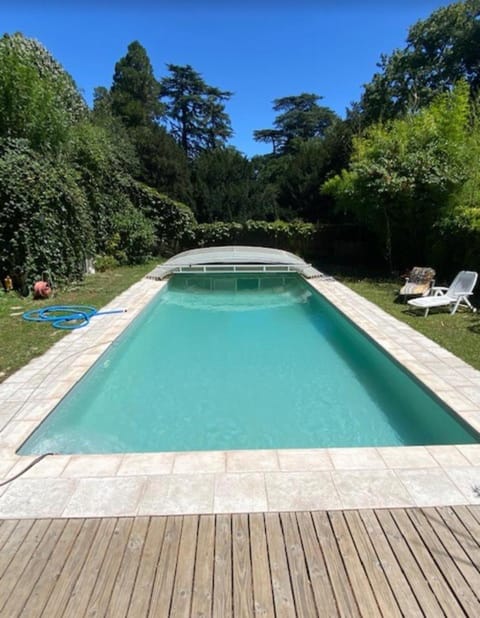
x: 41, y: 289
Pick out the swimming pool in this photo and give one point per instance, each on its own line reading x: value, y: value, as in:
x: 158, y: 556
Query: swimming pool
x: 243, y: 362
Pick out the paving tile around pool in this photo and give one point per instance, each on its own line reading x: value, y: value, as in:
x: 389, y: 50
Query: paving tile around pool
x: 240, y: 493
x: 428, y: 487
x: 301, y: 491
x: 104, y: 497
x: 236, y: 481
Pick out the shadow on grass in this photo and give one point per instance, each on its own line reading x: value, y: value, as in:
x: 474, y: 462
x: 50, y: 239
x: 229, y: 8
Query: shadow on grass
x: 474, y: 328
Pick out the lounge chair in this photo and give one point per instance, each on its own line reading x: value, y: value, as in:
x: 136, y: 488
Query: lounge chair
x: 455, y: 295
x: 418, y: 282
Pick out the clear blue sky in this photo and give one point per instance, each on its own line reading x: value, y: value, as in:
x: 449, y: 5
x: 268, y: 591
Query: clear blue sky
x: 260, y: 50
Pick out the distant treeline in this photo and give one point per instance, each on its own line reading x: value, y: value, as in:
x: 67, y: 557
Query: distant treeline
x: 149, y: 170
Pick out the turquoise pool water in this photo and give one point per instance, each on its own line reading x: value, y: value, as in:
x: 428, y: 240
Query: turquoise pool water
x: 243, y: 362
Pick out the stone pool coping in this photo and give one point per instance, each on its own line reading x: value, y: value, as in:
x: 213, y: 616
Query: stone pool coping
x: 234, y: 481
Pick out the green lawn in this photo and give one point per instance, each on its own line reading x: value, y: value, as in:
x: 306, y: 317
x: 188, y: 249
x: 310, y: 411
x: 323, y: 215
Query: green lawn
x: 22, y: 341
x: 459, y: 333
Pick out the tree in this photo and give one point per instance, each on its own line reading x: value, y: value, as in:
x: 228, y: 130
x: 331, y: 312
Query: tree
x: 134, y: 92
x: 300, y: 119
x: 195, y: 111
x: 402, y: 175
x: 299, y: 185
x: 38, y: 99
x: 133, y: 99
x: 226, y: 188
x: 273, y: 136
x: 163, y: 164
x: 440, y: 51
x: 457, y: 233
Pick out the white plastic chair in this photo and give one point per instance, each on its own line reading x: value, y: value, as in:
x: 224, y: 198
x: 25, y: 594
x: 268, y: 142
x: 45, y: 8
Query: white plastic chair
x: 457, y: 294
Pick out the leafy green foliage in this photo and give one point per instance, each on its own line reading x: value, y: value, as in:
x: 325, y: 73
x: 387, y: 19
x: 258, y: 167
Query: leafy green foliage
x: 134, y: 93
x: 300, y: 119
x: 67, y: 190
x: 173, y: 221
x: 225, y: 187
x: 402, y: 174
x: 299, y: 184
x: 195, y: 110
x: 133, y: 235
x: 441, y: 50
x: 45, y: 217
x: 38, y: 100
x: 163, y: 164
x: 294, y: 236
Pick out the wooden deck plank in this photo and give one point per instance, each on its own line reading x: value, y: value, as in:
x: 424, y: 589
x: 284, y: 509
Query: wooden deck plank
x: 474, y: 510
x: 451, y: 529
x: 433, y: 575
x: 346, y: 603
x: 203, y: 578
x: 163, y: 586
x: 459, y: 525
x: 183, y: 585
x: 446, y: 554
x: 222, y: 574
x: 416, y: 578
x: 62, y: 591
x: 125, y: 580
x: 242, y: 566
x: 20, y: 593
x: 364, y: 596
x: 100, y: 597
x: 262, y: 584
x: 85, y: 583
x: 14, y: 542
x: 299, y: 576
x: 281, y: 585
x: 394, y: 574
x: 7, y: 526
x: 321, y: 586
x: 21, y: 557
x: 53, y: 569
x: 372, y: 566
x: 467, y: 514
x: 143, y: 586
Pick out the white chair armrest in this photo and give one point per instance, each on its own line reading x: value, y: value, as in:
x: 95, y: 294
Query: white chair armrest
x: 438, y: 290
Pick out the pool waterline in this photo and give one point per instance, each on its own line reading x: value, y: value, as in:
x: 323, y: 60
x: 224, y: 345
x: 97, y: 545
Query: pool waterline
x: 252, y: 473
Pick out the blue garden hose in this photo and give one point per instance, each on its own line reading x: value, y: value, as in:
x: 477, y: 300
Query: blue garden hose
x: 66, y: 317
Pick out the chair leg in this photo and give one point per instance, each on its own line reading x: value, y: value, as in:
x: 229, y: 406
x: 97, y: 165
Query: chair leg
x: 455, y: 307
x: 469, y: 304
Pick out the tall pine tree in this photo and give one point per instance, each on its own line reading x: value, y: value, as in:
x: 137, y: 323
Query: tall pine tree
x: 134, y: 93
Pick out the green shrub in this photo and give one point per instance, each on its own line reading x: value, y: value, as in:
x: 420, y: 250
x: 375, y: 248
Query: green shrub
x: 44, y: 212
x: 173, y: 221
x: 134, y: 236
x: 295, y: 236
x: 105, y: 262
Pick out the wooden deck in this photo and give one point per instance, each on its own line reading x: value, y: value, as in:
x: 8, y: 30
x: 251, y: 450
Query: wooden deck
x: 397, y: 562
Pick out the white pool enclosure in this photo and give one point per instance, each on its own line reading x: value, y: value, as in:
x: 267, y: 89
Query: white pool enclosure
x: 239, y: 259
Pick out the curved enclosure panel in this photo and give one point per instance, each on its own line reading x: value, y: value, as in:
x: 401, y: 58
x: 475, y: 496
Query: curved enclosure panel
x: 234, y: 259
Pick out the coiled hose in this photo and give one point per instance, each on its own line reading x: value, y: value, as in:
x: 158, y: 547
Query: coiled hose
x: 66, y: 317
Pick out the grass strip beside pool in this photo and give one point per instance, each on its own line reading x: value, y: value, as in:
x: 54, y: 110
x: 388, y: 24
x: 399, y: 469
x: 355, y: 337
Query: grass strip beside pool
x: 23, y: 341
x: 459, y: 333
